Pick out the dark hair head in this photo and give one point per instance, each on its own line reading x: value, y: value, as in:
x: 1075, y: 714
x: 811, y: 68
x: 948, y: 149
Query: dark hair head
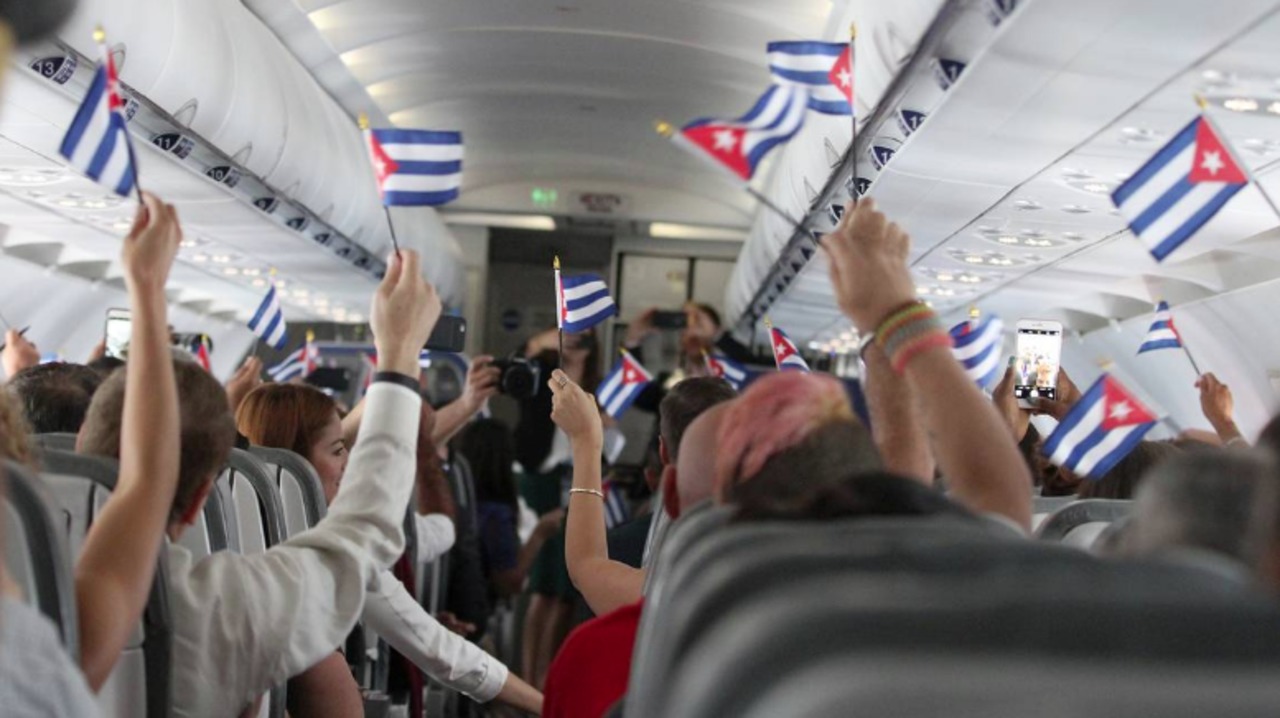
x: 685, y: 402
x: 489, y: 448
x: 105, y: 365
x: 1122, y: 480
x: 876, y: 493
x: 710, y: 311
x: 285, y: 416
x: 15, y: 435
x: 55, y: 396
x: 825, y: 457
x: 1269, y: 439
x: 206, y: 431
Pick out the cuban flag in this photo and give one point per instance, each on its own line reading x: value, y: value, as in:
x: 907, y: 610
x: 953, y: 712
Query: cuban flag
x: 202, y: 356
x: 1179, y: 189
x: 97, y: 142
x: 825, y: 69
x: 1100, y: 430
x: 584, y: 302
x: 739, y: 145
x: 977, y: 345
x: 268, y: 321
x: 785, y: 353
x: 619, y: 390
x: 1162, y: 334
x: 722, y: 367
x: 298, y: 364
x: 616, y: 510
x: 416, y: 167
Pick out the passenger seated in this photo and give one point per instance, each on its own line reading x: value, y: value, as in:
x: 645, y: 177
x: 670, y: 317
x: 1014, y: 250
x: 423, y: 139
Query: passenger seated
x: 305, y: 420
x: 55, y: 396
x: 1198, y: 509
x: 245, y: 623
x: 15, y: 434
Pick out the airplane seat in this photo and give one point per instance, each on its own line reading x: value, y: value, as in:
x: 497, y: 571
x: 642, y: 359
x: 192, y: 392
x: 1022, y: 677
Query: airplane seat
x: 36, y: 553
x: 1124, y: 636
x: 738, y: 561
x: 1080, y: 523
x: 60, y: 441
x: 301, y: 494
x: 1043, y: 506
x: 139, y: 683
x: 685, y: 533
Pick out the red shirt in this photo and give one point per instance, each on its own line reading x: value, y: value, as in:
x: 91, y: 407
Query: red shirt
x: 591, y: 671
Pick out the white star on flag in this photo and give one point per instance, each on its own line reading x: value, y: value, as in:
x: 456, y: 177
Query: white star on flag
x: 1212, y: 162
x: 1121, y: 410
x: 845, y: 78
x: 726, y: 140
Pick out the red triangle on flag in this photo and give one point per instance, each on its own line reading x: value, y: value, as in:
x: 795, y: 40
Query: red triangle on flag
x: 1120, y: 408
x: 724, y: 143
x: 841, y: 74
x: 1213, y: 162
x: 383, y: 165
x: 782, y: 348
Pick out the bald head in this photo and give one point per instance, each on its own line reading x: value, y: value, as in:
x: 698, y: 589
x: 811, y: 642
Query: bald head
x: 695, y: 467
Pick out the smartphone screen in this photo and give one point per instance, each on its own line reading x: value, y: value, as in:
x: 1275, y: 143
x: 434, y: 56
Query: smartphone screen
x: 1038, y: 360
x: 118, y: 332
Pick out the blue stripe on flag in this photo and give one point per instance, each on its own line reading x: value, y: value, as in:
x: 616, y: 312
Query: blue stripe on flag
x: 1161, y: 344
x: 417, y: 137
x: 1156, y: 163
x: 262, y: 309
x: 807, y: 47
x: 755, y: 111
x: 84, y: 115
x: 407, y: 167
x: 828, y: 107
x: 415, y: 199
x: 1073, y: 417
x: 1188, y: 228
x: 1166, y: 202
x: 586, y: 299
x: 1121, y: 450
x: 105, y: 149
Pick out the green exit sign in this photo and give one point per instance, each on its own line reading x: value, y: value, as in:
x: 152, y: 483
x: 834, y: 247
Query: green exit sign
x: 543, y: 197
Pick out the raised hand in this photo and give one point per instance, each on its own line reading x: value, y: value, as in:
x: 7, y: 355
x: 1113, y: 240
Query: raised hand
x: 1218, y: 405
x: 18, y: 354
x: 1015, y: 416
x: 575, y: 411
x: 868, y: 257
x: 405, y: 310
x: 247, y: 378
x: 151, y: 245
x: 482, y: 383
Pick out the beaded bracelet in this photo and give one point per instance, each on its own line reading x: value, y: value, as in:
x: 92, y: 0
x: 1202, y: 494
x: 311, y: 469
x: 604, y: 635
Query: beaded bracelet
x: 908, y: 332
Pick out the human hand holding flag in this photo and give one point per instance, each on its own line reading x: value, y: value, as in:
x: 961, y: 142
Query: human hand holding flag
x: 575, y: 412
x: 1100, y: 430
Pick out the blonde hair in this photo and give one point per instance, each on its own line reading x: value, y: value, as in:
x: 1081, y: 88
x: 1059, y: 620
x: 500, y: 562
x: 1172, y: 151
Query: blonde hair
x: 15, y: 433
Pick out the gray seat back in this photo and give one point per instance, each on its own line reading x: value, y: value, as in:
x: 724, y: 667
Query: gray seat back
x: 36, y: 553
x: 1080, y: 523
x: 839, y: 637
x: 139, y: 683
x: 58, y: 441
x: 255, y: 501
x: 684, y: 533
x: 301, y: 494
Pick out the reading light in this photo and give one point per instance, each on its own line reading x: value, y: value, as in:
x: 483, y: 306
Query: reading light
x: 1240, y: 104
x: 672, y: 230
x: 541, y: 222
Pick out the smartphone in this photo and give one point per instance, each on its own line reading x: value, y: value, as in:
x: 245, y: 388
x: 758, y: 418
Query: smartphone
x: 117, y: 333
x: 670, y: 320
x: 450, y: 335
x: 1038, y: 360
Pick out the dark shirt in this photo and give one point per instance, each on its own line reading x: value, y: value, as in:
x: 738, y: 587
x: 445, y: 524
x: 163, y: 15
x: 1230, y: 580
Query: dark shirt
x: 626, y: 542
x: 499, y: 542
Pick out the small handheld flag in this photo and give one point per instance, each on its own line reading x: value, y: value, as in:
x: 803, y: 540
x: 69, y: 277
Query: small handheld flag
x: 616, y: 511
x: 620, y: 389
x: 722, y: 367
x: 1178, y: 190
x: 1100, y: 430
x: 584, y: 302
x: 202, y: 354
x: 268, y: 321
x: 977, y: 344
x: 1162, y: 334
x: 416, y: 167
x: 825, y: 69
x: 97, y: 142
x: 738, y: 146
x: 785, y: 353
x: 298, y: 364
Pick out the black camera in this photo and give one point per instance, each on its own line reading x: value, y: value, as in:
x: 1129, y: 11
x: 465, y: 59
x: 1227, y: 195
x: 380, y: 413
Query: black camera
x: 519, y: 377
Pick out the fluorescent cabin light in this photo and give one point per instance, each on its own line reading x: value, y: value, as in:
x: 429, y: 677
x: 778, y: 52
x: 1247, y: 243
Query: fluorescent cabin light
x: 672, y: 230
x: 494, y: 219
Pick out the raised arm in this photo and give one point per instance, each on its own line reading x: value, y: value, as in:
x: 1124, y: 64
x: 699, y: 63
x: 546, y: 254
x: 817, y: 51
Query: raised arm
x: 482, y: 384
x: 971, y: 442
x: 606, y: 585
x: 1218, y: 406
x: 115, y: 569
x: 895, y: 419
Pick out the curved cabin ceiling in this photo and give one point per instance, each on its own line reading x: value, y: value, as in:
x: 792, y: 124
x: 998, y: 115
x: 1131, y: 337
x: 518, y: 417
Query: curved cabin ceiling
x: 565, y: 92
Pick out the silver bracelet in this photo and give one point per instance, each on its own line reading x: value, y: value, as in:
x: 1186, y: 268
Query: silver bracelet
x: 593, y: 492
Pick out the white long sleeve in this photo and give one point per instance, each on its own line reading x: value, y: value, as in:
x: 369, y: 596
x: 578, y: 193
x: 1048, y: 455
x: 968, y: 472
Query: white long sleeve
x: 442, y: 654
x: 245, y: 623
x: 436, y: 535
